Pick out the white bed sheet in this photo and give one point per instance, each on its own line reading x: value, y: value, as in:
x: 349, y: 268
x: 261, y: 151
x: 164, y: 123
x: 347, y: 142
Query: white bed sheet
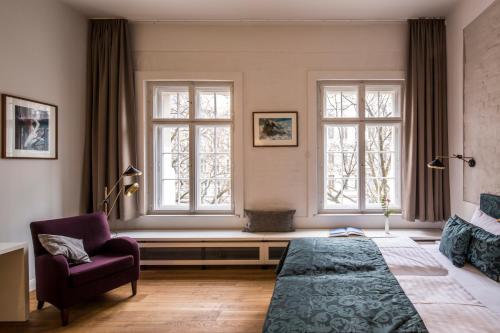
x: 484, y: 289
x: 448, y: 299
x: 446, y: 307
x: 395, y: 242
x: 406, y: 257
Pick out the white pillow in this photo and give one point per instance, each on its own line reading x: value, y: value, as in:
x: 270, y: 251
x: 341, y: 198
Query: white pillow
x: 485, y: 222
x: 71, y: 248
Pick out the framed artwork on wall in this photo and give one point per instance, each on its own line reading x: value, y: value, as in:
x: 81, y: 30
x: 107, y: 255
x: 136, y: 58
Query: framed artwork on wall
x: 29, y: 128
x: 275, y: 129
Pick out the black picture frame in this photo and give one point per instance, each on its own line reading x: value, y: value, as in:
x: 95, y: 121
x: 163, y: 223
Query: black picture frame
x: 286, y: 124
x: 36, y: 134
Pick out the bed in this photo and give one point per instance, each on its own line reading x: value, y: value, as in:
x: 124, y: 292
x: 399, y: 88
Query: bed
x: 362, y: 285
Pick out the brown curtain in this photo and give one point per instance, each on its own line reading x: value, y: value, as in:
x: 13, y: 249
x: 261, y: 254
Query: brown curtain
x: 110, y: 144
x: 426, y: 192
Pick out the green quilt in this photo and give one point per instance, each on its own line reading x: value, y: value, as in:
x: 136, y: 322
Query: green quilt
x: 338, y: 285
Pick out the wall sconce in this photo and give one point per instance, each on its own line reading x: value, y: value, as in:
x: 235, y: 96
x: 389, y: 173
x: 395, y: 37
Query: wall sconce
x: 439, y: 165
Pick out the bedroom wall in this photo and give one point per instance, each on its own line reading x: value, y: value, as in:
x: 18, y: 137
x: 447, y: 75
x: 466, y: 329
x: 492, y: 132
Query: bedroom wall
x: 43, y: 52
x: 275, y: 60
x: 463, y: 14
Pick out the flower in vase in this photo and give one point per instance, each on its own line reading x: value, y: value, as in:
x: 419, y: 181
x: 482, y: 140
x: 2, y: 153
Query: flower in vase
x: 385, y: 202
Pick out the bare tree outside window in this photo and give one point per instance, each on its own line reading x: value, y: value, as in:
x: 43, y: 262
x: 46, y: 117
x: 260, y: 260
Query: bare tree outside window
x: 344, y: 119
x: 192, y: 148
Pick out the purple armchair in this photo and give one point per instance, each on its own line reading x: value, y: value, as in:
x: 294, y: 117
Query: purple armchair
x: 115, y: 262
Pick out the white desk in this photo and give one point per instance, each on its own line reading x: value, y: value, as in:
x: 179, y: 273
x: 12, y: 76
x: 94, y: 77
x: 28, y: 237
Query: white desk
x: 14, y: 302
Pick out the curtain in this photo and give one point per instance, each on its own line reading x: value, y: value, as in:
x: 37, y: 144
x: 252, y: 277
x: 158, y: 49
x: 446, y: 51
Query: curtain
x: 110, y: 144
x: 426, y: 192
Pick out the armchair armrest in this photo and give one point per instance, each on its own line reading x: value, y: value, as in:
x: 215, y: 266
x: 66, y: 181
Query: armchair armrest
x: 57, y: 266
x: 122, y: 245
x: 52, y: 273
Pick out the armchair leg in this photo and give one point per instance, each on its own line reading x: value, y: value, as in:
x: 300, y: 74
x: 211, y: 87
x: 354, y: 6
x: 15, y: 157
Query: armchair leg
x: 64, y: 317
x: 39, y: 306
x: 134, y: 287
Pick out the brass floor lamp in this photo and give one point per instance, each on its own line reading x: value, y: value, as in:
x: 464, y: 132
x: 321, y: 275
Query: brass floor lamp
x: 127, y: 189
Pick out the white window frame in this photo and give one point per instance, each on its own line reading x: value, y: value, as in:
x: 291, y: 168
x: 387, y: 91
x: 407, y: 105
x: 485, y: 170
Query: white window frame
x: 361, y: 121
x: 153, y: 165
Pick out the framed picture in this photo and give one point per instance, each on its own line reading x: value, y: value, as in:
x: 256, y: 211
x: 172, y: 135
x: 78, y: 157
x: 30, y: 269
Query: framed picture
x: 275, y: 129
x: 29, y: 128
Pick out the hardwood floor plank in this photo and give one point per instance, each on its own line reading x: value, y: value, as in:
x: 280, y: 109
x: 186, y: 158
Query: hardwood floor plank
x: 172, y: 300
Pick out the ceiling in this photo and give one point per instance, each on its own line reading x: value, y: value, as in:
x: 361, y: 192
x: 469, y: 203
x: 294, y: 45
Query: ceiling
x: 262, y: 10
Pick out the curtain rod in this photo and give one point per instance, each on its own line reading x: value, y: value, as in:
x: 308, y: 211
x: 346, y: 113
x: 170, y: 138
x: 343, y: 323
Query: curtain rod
x: 267, y: 21
x: 251, y: 20
x: 271, y: 20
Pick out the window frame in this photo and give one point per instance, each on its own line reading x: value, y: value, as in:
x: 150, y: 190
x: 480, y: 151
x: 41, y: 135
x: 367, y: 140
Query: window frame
x: 360, y: 122
x: 153, y: 166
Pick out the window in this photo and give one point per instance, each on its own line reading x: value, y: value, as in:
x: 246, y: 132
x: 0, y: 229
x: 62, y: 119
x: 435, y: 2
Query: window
x: 360, y: 145
x: 191, y: 147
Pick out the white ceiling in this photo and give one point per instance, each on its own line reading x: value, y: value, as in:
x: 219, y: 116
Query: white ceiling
x: 263, y: 9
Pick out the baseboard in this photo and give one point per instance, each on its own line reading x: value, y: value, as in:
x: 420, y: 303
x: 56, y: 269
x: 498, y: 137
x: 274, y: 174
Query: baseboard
x: 32, y: 285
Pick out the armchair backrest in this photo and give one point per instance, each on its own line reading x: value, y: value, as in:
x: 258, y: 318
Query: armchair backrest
x: 93, y: 229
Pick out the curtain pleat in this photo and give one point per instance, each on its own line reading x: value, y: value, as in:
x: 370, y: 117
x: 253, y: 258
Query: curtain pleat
x: 110, y: 143
x: 426, y: 191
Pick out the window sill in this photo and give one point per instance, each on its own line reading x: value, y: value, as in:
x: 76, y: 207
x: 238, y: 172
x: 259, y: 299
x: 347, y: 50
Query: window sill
x: 190, y: 215
x: 355, y: 214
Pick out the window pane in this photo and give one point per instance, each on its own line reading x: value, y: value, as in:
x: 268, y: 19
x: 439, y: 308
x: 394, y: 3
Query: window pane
x: 223, y: 166
x: 341, y: 102
x: 206, y: 139
x: 175, y: 194
x: 223, y: 139
x: 206, y: 166
x: 381, y: 165
x: 381, y: 186
x: 382, y: 101
x: 223, y: 193
x: 171, y: 102
x: 214, y: 171
x: 341, y: 167
x: 172, y: 174
x: 213, y: 103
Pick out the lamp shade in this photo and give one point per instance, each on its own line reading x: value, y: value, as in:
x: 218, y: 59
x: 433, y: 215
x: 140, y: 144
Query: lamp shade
x: 436, y: 164
x: 131, y: 171
x: 131, y: 189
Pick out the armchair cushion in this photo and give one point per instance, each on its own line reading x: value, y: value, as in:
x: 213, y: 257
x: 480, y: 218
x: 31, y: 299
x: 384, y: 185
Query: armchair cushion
x: 101, y: 266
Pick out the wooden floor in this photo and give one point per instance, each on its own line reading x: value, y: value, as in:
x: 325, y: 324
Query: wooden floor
x: 215, y: 300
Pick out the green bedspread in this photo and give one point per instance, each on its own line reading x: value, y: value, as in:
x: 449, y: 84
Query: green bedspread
x: 338, y: 285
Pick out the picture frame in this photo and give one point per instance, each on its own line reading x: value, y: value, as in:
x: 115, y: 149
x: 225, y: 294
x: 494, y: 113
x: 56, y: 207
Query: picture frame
x: 29, y: 129
x: 276, y: 129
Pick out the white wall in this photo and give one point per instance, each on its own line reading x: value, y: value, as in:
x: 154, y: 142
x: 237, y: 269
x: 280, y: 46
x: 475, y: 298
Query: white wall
x: 275, y: 61
x: 43, y: 57
x: 463, y: 14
